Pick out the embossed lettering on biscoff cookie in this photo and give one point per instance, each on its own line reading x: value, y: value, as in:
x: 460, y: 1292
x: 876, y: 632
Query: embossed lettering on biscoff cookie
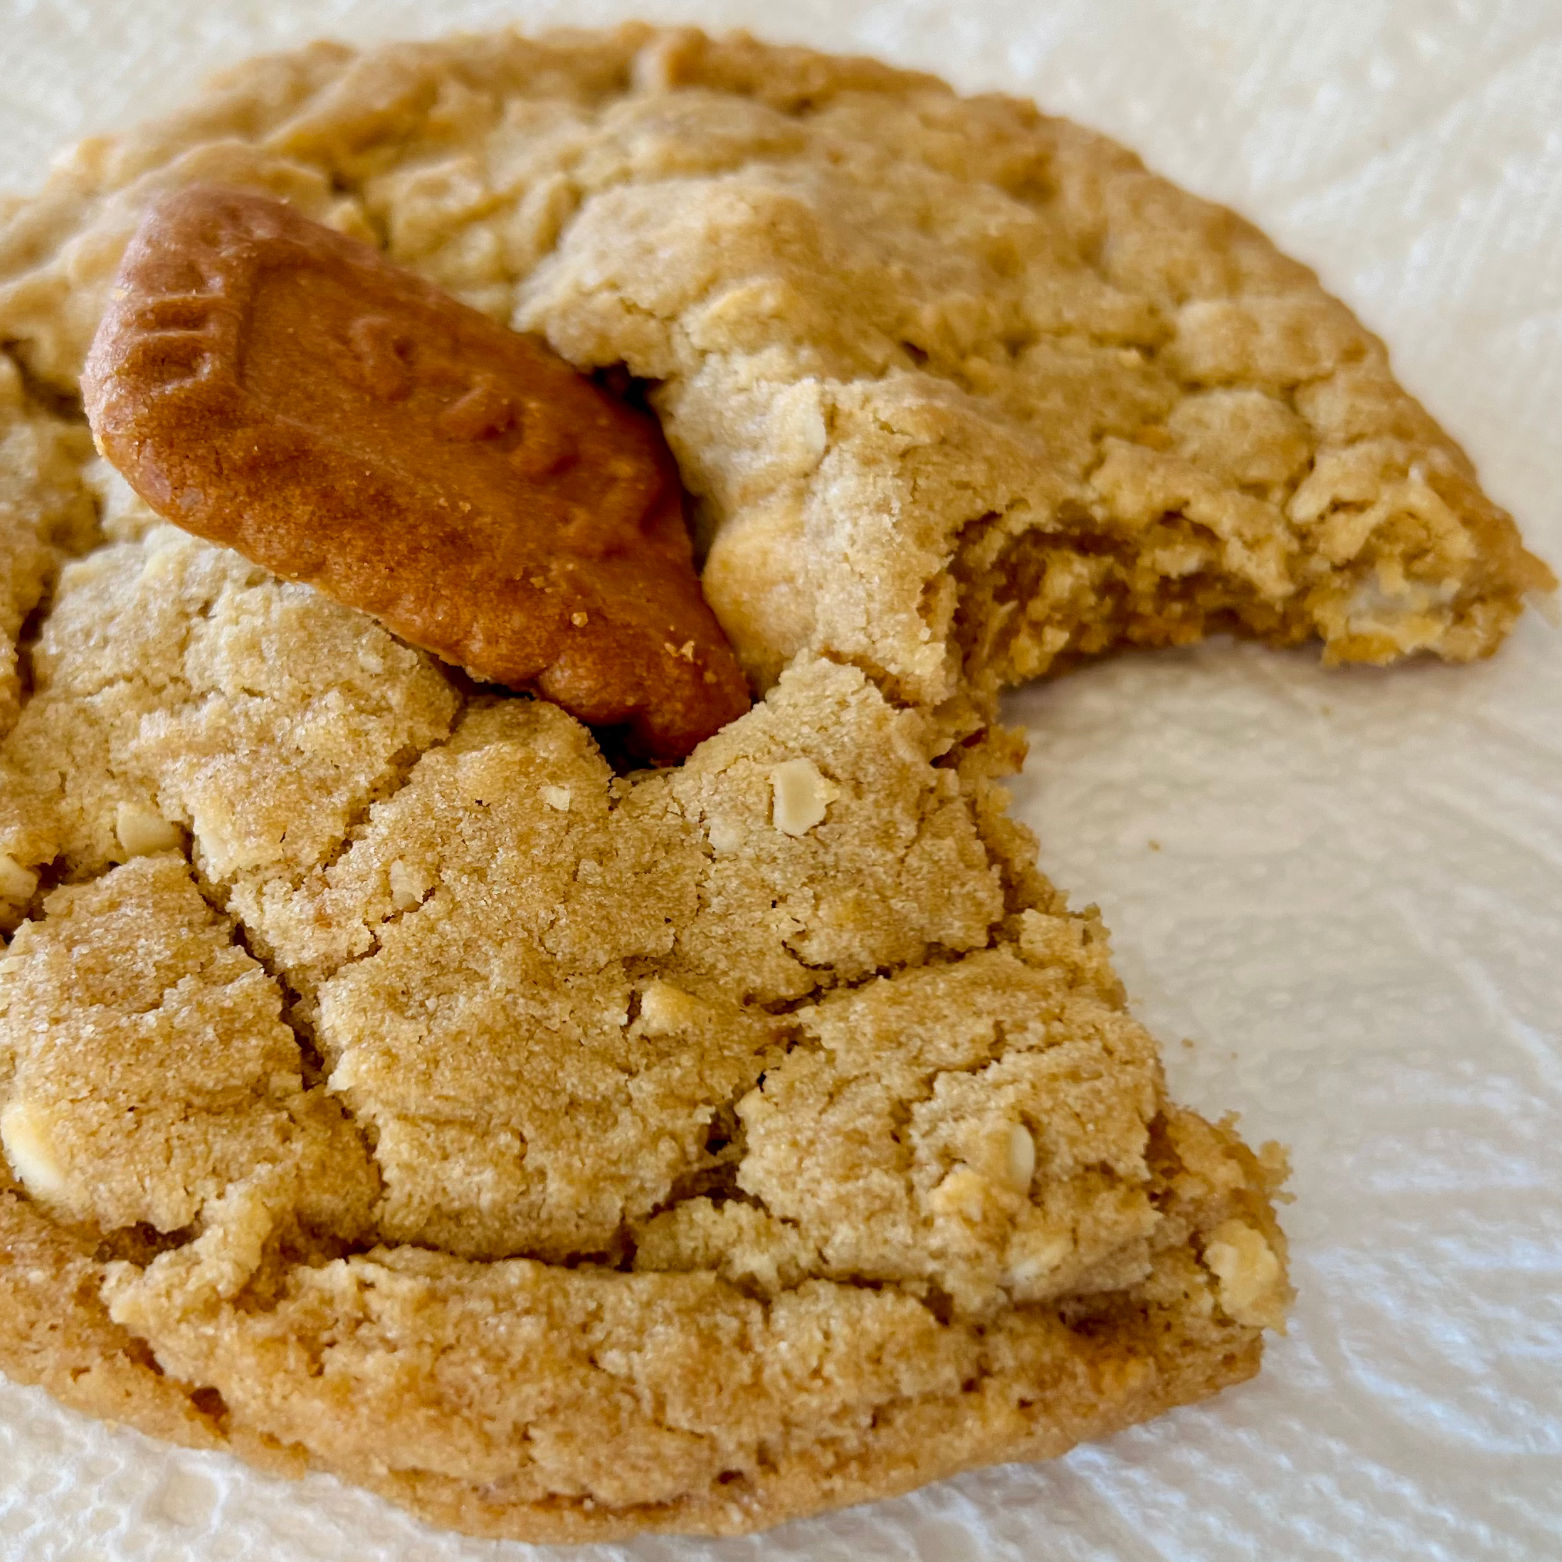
x: 267, y: 383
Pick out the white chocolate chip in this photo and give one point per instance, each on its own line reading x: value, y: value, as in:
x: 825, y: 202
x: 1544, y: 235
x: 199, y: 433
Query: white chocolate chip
x: 25, y: 1135
x: 406, y: 886
x: 347, y: 1072
x: 142, y: 832
x: 16, y: 882
x: 1022, y: 1157
x: 801, y: 796
x: 961, y: 1195
x: 726, y: 835
x: 557, y: 797
x: 1034, y: 1257
x: 666, y: 1010
x: 1248, y: 1274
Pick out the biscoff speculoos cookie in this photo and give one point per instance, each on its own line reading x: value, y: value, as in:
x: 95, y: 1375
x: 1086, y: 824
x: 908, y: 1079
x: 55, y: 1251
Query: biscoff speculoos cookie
x: 392, y: 1085
x: 270, y: 384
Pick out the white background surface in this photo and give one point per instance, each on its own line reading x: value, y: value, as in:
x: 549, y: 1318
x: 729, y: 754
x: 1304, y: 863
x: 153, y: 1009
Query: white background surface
x: 1346, y: 887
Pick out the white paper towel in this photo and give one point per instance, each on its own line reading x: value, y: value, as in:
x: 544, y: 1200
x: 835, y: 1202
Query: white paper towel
x: 1347, y: 887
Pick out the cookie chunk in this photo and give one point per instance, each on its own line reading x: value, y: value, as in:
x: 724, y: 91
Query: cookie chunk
x: 391, y: 1085
x: 176, y: 688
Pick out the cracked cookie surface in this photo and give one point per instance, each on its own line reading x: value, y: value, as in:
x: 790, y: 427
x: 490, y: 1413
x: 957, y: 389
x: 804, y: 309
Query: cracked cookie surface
x: 642, y: 1163
x: 563, y: 1152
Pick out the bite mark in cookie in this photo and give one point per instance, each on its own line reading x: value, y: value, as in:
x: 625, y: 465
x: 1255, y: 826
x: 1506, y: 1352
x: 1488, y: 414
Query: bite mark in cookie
x: 267, y: 383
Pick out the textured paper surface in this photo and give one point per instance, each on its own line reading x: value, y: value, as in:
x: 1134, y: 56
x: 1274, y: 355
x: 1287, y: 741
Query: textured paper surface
x: 1346, y: 887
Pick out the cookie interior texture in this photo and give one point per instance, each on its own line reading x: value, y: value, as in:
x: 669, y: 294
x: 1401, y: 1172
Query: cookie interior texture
x: 388, y: 1086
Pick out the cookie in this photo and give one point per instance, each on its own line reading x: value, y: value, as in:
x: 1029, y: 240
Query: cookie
x: 388, y: 1085
x: 270, y: 384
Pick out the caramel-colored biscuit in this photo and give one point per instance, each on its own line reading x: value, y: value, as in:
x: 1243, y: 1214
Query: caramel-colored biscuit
x: 267, y: 383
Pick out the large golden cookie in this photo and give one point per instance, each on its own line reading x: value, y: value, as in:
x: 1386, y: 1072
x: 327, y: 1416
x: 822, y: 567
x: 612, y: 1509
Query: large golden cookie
x: 388, y: 1086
